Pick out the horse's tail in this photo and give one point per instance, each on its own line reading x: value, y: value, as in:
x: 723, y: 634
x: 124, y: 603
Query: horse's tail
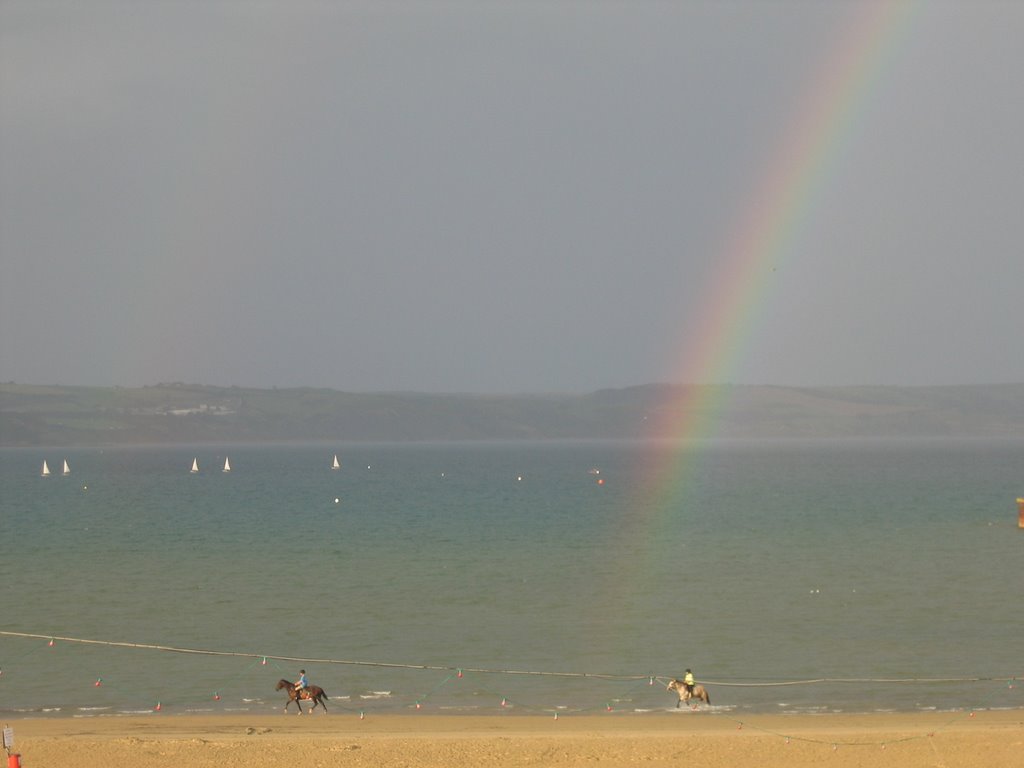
x: 707, y: 697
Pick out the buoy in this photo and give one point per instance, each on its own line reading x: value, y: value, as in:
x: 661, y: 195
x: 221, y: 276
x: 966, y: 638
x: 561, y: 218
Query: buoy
x: 362, y: 715
x: 418, y: 705
x: 216, y: 696
x: 50, y: 643
x: 99, y: 682
x: 264, y: 662
x: 14, y: 760
x: 158, y: 706
x: 337, y: 500
x: 459, y: 675
x: 600, y: 481
x: 1020, y: 512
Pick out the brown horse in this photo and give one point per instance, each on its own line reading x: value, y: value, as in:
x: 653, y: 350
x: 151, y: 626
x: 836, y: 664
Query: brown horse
x: 312, y: 693
x: 699, y: 692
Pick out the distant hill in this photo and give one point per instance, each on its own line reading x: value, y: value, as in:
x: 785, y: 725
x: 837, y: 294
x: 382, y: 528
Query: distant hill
x: 183, y: 413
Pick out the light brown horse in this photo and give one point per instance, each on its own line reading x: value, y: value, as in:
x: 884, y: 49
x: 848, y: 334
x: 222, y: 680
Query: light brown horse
x: 312, y: 693
x: 699, y: 692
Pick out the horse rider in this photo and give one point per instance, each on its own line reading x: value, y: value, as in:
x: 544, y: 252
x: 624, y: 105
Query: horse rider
x: 689, y: 682
x: 301, y: 684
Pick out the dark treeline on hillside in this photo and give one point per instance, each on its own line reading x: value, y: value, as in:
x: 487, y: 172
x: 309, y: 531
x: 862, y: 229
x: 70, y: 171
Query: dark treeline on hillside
x: 180, y: 413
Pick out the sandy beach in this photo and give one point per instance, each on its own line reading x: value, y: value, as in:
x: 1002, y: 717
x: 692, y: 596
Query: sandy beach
x: 962, y: 739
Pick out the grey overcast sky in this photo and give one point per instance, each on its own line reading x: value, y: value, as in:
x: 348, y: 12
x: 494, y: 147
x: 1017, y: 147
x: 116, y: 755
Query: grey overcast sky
x: 497, y: 196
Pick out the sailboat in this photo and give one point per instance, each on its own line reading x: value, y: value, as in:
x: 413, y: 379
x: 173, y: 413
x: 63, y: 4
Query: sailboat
x: 46, y: 469
x: 67, y: 469
x: 195, y: 465
x: 227, y: 465
x: 337, y: 464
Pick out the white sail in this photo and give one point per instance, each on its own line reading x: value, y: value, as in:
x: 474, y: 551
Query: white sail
x: 195, y: 465
x: 227, y: 465
x: 46, y: 469
x: 337, y: 464
x: 67, y: 469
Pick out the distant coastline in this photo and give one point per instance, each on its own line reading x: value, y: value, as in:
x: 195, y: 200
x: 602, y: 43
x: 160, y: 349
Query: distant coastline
x: 35, y: 415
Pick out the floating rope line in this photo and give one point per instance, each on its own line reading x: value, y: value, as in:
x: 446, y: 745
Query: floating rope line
x: 264, y: 658
x: 312, y: 660
x: 830, y: 680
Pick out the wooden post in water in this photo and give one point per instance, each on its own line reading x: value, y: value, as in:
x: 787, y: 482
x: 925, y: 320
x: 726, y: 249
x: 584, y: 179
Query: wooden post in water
x: 1020, y: 513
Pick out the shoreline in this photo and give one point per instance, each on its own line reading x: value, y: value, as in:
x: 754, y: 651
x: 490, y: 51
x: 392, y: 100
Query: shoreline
x: 989, y: 738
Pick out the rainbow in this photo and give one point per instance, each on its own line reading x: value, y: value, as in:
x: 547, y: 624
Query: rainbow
x: 782, y: 203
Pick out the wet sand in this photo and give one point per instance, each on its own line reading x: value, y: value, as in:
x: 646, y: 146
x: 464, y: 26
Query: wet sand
x: 987, y: 739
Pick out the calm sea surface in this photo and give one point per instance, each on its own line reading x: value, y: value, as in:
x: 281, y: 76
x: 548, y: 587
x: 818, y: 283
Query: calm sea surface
x: 853, y: 562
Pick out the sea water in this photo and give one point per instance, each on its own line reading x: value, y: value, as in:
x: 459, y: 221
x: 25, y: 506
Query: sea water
x: 502, y: 578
